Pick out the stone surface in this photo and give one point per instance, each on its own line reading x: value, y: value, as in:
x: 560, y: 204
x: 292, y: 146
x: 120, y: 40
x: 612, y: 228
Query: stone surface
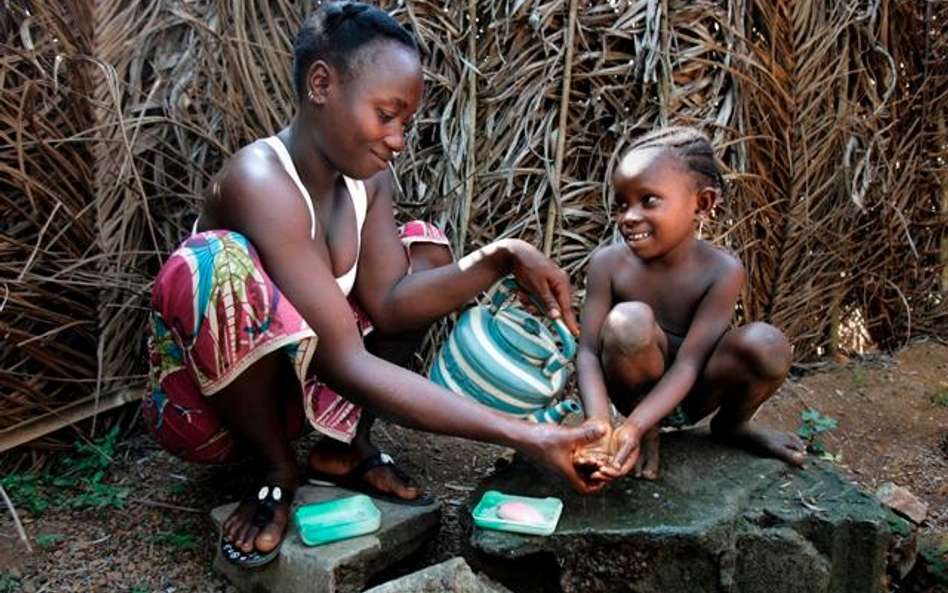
x: 338, y: 567
x: 717, y: 520
x: 451, y: 576
x: 902, y: 502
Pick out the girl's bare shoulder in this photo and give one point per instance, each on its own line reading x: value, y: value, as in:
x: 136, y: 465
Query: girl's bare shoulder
x: 723, y: 262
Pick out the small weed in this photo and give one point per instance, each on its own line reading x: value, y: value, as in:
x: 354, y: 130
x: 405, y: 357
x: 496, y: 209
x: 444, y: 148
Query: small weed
x: 940, y: 397
x: 49, y: 539
x: 812, y: 426
x: 76, y: 481
x: 176, y: 490
x: 937, y: 560
x: 175, y: 540
x: 859, y: 378
x: 141, y: 589
x: 9, y: 583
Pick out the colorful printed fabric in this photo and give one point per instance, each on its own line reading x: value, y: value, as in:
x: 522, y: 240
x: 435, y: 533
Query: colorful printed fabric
x: 214, y: 313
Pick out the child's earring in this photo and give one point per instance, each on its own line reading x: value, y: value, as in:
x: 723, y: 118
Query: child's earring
x: 701, y: 226
x: 310, y: 96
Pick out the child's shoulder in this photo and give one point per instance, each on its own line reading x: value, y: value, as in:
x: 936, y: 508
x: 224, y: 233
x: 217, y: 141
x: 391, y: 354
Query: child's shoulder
x: 722, y: 261
x: 608, y: 255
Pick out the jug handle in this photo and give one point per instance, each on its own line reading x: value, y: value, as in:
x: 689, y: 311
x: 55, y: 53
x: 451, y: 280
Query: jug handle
x: 507, y: 289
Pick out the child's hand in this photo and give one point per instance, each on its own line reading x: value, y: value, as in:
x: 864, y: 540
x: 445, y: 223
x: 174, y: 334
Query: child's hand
x: 625, y: 447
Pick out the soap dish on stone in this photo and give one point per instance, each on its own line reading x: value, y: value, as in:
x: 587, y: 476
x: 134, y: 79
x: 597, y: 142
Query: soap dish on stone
x: 333, y: 520
x: 517, y: 514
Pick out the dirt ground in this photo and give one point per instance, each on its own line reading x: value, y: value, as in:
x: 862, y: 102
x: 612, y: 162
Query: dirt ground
x: 889, y: 429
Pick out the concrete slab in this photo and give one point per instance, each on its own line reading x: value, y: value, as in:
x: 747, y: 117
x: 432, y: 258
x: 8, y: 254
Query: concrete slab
x: 717, y: 520
x: 339, y: 567
x: 450, y: 576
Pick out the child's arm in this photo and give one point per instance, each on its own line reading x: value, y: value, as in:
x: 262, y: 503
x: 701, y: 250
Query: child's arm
x: 598, y: 302
x: 711, y: 320
x: 592, y: 386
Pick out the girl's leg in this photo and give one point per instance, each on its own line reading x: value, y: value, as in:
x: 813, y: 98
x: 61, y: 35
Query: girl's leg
x: 744, y: 370
x: 253, y: 406
x: 634, y: 350
x: 337, y: 458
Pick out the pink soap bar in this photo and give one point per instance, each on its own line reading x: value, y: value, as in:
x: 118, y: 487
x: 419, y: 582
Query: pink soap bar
x: 519, y: 512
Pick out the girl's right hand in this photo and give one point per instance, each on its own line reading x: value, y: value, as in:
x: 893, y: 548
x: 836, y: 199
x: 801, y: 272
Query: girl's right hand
x: 626, y: 449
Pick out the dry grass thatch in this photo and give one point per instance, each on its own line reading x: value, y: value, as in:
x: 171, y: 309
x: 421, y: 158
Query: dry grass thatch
x: 830, y: 116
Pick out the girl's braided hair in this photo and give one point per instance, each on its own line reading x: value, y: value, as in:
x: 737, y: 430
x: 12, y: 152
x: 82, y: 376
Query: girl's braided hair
x: 691, y: 145
x: 335, y: 31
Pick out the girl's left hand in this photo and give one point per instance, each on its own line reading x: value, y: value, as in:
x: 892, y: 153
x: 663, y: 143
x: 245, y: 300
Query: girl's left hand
x: 545, y: 280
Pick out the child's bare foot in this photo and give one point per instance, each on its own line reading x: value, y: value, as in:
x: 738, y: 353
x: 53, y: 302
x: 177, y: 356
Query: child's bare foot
x: 764, y: 441
x: 647, y: 465
x: 252, y: 534
x: 364, y: 469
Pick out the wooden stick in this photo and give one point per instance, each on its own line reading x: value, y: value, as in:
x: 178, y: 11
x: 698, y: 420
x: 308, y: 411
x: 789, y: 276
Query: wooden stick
x: 16, y: 519
x: 470, y: 108
x: 553, y: 209
x: 52, y: 421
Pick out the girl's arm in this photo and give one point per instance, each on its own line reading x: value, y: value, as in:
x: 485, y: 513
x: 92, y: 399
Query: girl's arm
x: 263, y: 204
x: 598, y: 303
x: 397, y: 301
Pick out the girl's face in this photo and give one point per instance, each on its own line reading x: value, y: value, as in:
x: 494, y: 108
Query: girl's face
x: 367, y: 114
x: 656, y: 201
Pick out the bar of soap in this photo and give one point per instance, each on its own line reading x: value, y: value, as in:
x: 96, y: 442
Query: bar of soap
x: 519, y: 512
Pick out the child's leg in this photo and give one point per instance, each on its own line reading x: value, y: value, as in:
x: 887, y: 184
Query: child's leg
x: 634, y: 350
x: 744, y: 370
x: 336, y: 458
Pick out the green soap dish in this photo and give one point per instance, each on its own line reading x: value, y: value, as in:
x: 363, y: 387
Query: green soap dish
x: 333, y: 520
x: 485, y: 513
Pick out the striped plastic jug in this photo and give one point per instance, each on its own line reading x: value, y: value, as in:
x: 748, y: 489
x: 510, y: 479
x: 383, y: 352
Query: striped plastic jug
x: 505, y: 358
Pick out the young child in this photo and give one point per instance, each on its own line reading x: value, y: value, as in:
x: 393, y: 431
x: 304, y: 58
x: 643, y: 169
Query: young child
x: 655, y: 335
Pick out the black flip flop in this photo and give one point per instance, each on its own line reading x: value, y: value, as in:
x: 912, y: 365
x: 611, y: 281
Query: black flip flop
x: 355, y: 480
x: 266, y: 499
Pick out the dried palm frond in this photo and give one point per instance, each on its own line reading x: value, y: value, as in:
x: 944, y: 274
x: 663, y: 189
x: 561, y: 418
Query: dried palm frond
x: 829, y: 116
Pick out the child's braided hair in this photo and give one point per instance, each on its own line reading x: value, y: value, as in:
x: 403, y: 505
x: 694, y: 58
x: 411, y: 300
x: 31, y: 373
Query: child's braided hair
x: 335, y: 31
x: 691, y: 145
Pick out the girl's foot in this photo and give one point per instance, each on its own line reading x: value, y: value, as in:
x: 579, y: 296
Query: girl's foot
x: 764, y: 441
x: 647, y: 465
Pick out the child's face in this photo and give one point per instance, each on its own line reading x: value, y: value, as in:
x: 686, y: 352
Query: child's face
x: 656, y: 202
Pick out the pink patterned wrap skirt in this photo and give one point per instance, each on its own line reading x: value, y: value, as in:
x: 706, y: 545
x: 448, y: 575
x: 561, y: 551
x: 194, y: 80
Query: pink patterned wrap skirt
x: 215, y: 312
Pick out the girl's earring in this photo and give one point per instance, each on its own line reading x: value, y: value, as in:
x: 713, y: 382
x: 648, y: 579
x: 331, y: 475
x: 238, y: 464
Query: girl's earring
x: 310, y: 96
x: 701, y: 227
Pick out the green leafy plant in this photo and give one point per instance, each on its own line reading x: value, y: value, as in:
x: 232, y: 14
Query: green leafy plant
x: 859, y: 378
x: 940, y: 397
x: 937, y: 560
x: 813, y: 425
x: 172, y: 539
x: 75, y: 481
x: 49, y: 539
x: 9, y: 583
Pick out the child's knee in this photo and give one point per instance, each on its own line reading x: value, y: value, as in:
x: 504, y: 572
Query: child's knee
x: 629, y: 326
x: 766, y: 350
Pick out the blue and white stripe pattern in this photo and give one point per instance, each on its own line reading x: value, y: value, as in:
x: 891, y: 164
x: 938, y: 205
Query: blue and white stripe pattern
x: 505, y: 358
